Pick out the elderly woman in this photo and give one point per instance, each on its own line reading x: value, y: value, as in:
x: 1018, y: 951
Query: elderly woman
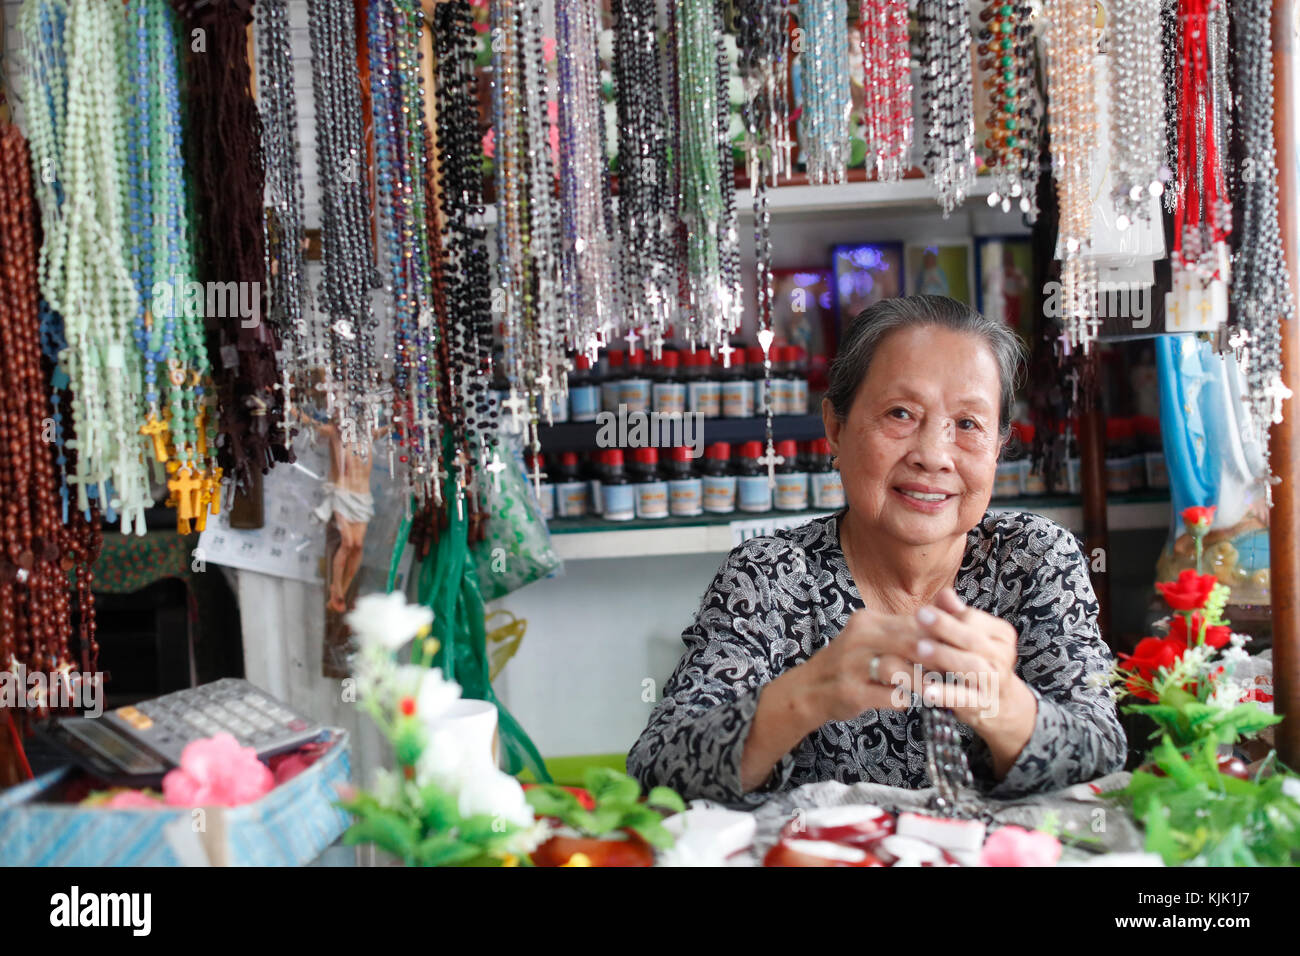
x: 814, y: 648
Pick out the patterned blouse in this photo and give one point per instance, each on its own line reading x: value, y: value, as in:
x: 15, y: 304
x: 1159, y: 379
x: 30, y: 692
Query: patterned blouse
x: 779, y: 599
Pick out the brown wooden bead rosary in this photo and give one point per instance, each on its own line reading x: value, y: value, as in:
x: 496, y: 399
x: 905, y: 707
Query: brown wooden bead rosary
x: 37, y: 550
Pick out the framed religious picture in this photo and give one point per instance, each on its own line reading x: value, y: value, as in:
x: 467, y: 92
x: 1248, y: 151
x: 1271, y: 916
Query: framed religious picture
x: 942, y: 267
x: 865, y: 274
x: 1004, y: 275
x: 803, y: 314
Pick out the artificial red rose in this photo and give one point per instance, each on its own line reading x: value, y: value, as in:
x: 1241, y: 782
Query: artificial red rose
x: 1189, y: 592
x: 1217, y: 636
x: 1259, y: 696
x: 1198, y: 518
x: 1151, y: 654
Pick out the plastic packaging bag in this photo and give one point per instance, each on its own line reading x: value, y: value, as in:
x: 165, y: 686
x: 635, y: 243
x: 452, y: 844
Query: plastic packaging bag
x: 516, y: 547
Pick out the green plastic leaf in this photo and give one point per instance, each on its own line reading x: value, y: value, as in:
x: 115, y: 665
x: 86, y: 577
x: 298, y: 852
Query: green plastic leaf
x: 604, y: 820
x: 667, y: 798
x: 553, y: 801
x: 606, y: 783
x: 654, y: 832
x: 386, y: 829
x: 438, y: 810
x: 445, y: 850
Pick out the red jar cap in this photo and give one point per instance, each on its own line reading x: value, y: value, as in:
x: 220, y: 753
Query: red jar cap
x: 680, y: 453
x: 613, y: 456
x: 669, y: 359
x: 820, y: 446
x: 754, y: 355
x: 788, y: 450
x: 718, y: 451
x: 646, y: 456
x: 615, y: 358
x: 751, y: 449
x: 568, y: 458
x: 636, y: 357
x: 581, y: 362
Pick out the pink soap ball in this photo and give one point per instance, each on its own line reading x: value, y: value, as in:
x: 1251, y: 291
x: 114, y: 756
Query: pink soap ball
x: 217, y: 772
x: 1016, y: 846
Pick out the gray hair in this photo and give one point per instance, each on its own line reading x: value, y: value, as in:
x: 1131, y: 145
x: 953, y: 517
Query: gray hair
x: 874, y: 324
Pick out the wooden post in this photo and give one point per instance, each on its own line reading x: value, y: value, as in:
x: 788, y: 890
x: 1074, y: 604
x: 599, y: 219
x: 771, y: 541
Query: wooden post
x: 1284, y: 439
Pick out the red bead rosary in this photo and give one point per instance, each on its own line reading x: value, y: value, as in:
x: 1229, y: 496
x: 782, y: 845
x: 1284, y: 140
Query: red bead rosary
x: 37, y: 551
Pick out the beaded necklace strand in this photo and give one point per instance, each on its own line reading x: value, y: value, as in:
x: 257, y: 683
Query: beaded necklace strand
x: 706, y: 201
x: 291, y: 309
x: 85, y: 275
x: 468, y: 329
x: 351, y: 389
x: 1261, y: 295
x: 169, y: 329
x: 397, y: 107
x: 227, y: 176
x: 38, y: 548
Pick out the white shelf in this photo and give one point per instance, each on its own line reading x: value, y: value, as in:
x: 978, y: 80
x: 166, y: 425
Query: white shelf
x: 849, y: 196
x: 839, y: 197
x: 718, y: 539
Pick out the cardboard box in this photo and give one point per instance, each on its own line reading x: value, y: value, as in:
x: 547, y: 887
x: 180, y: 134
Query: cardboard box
x: 290, y: 826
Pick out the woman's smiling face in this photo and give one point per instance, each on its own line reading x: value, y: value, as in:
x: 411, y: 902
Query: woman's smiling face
x: 918, y: 451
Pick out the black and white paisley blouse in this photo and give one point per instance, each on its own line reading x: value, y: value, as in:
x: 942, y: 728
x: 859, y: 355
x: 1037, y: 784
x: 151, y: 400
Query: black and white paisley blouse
x: 779, y: 599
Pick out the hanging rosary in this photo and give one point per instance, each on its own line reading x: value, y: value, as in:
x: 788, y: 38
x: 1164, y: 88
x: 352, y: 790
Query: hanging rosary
x: 827, y: 100
x: 228, y: 185
x: 351, y: 388
x: 74, y: 113
x: 886, y: 87
x: 1202, y: 212
x: 947, y: 102
x: 38, y: 549
x: 762, y: 29
x: 470, y: 416
x: 1072, y: 131
x: 397, y: 109
x: 289, y: 296
x: 645, y: 204
x: 1261, y: 294
x: 585, y: 209
x: 1137, y: 110
x: 534, y: 296
x: 706, y: 202
x: 1013, y: 126
x: 169, y: 323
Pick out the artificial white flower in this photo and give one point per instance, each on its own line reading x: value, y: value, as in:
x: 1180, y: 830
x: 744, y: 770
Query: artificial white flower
x: 1236, y: 655
x: 1238, y: 640
x: 443, y: 762
x: 386, y: 620
x: 1227, y: 693
x: 435, y: 696
x: 490, y: 791
x: 1097, y: 680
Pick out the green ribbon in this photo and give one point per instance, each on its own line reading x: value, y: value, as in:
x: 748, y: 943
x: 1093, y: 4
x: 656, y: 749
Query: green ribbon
x: 448, y: 584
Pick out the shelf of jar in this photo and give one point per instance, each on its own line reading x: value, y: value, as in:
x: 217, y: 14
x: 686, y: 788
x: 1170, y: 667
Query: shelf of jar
x: 581, y: 436
x: 583, y: 539
x: 809, y: 198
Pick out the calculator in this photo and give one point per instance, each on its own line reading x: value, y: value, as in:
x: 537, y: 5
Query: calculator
x: 136, y: 745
